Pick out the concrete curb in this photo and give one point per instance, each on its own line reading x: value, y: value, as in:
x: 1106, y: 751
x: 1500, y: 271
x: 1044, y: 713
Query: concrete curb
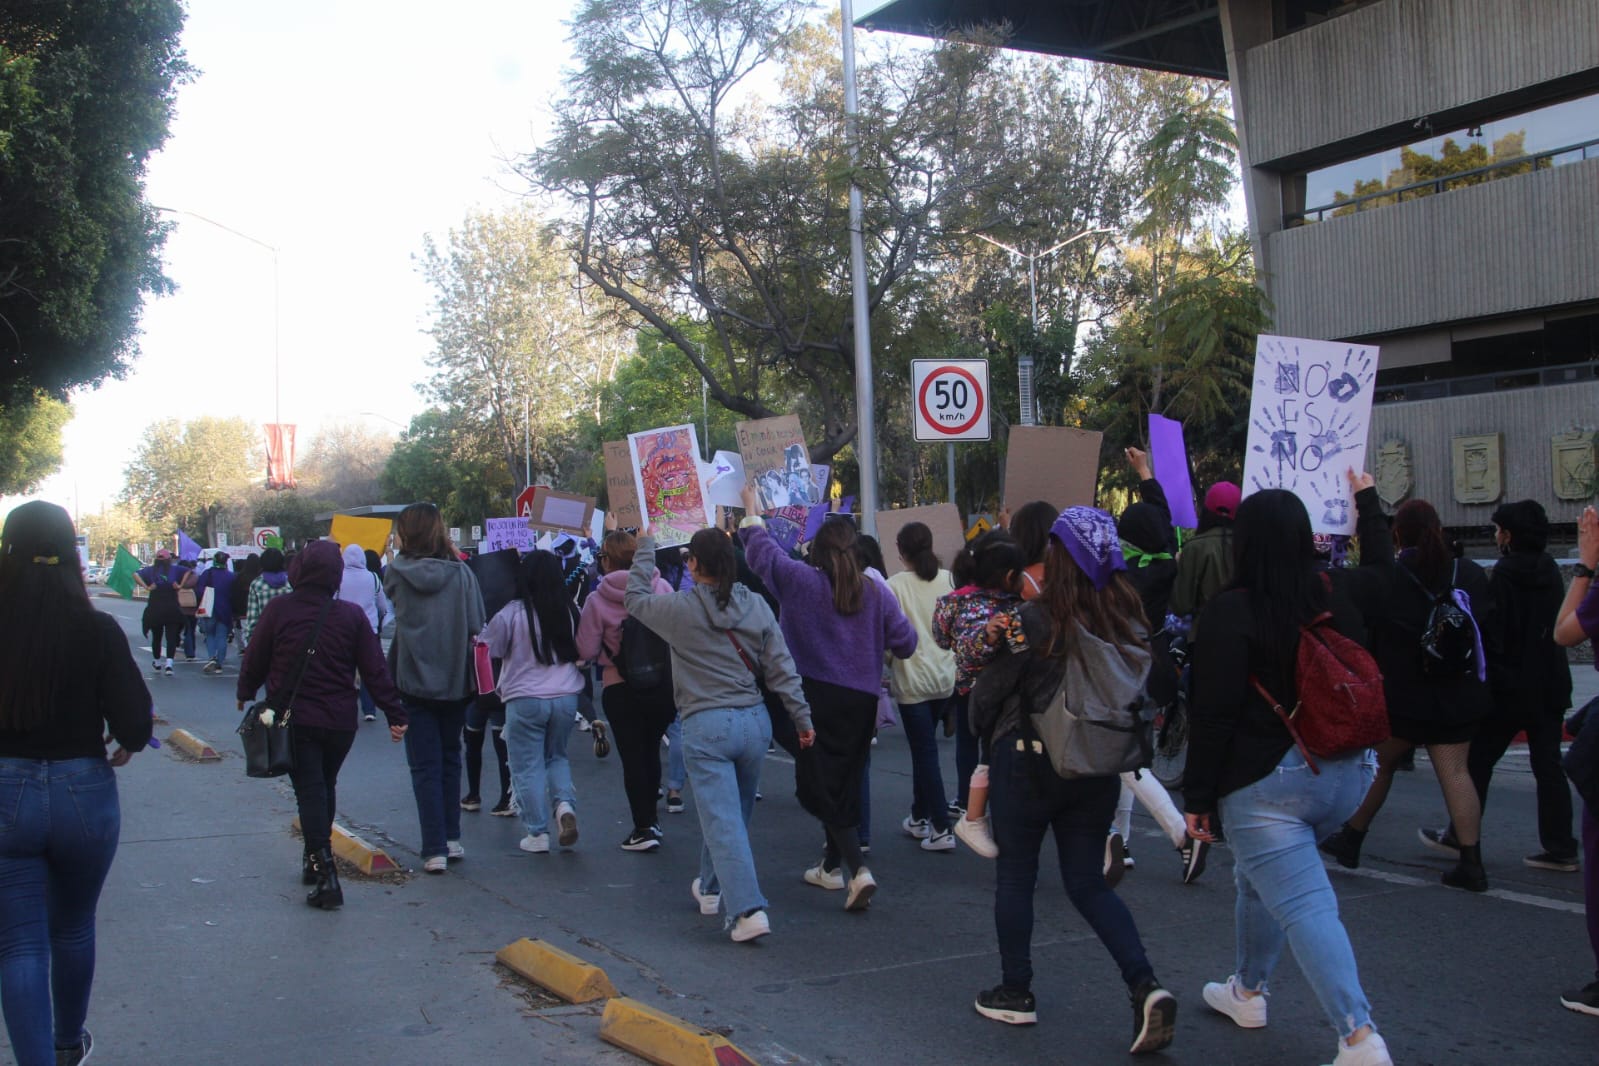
x: 193, y: 746
x: 367, y: 858
x: 664, y: 1040
x: 551, y: 968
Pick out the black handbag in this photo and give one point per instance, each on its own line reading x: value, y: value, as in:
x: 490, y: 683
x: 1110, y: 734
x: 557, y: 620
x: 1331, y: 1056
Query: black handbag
x: 267, y: 751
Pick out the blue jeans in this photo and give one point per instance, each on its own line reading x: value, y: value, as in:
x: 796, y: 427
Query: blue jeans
x: 535, y: 742
x: 1025, y: 802
x: 189, y: 622
x: 1283, y: 893
x: 921, y: 722
x: 216, y: 639
x: 433, y: 750
x: 676, y: 771
x: 59, y: 823
x: 724, y: 751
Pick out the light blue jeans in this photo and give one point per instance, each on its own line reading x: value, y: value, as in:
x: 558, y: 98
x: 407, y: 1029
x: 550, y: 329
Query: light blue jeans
x: 724, y: 751
x: 535, y: 744
x: 1283, y: 892
x: 676, y: 770
x: 216, y: 639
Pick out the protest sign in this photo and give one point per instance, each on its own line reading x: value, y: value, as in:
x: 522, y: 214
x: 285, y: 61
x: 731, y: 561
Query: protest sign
x: 495, y: 571
x: 1169, y: 456
x: 621, y: 490
x: 777, y: 462
x: 502, y: 533
x: 566, y: 511
x: 1051, y: 463
x: 944, y: 519
x: 666, y: 473
x: 369, y: 533
x: 724, y: 479
x: 1309, y: 411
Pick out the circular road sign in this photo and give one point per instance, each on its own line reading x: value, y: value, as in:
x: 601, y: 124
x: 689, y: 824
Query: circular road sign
x: 951, y: 399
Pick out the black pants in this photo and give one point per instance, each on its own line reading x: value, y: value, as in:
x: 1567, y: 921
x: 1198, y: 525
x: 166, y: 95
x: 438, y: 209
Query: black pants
x: 171, y: 630
x: 318, y: 754
x: 639, y: 718
x: 828, y: 774
x: 1493, y: 738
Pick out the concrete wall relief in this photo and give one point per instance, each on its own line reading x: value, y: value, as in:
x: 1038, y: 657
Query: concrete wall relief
x: 1392, y: 472
x: 1574, y: 464
x: 1479, y: 467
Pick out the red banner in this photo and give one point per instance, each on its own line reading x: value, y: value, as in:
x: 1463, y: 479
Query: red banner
x: 280, y: 455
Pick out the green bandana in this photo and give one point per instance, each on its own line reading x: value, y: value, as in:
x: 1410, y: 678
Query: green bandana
x: 1136, y: 556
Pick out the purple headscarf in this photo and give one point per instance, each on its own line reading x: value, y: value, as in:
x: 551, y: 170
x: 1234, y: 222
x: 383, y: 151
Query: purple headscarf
x: 1089, y: 535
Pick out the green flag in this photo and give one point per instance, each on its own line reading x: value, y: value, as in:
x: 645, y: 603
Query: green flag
x: 120, y: 580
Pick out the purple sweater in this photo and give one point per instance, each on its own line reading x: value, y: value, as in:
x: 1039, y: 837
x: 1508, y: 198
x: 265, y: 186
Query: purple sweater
x: 827, y: 646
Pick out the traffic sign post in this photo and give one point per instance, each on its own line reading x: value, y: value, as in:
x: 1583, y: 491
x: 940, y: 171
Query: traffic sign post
x: 949, y: 400
x: 524, y: 502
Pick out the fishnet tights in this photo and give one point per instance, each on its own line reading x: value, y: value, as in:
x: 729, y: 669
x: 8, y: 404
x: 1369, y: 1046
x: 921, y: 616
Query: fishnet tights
x: 1449, y: 763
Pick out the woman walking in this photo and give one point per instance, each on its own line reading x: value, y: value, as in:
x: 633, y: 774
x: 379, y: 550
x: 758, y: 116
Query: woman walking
x: 839, y: 626
x: 534, y: 637
x: 437, y: 611
x: 323, y: 723
x: 67, y: 678
x: 163, y: 618
x: 269, y: 584
x: 1244, y: 767
x: 218, y: 624
x: 724, y: 644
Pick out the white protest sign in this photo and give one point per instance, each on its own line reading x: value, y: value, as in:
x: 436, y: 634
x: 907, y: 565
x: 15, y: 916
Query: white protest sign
x: 501, y: 533
x: 1308, y: 416
x: 724, y: 479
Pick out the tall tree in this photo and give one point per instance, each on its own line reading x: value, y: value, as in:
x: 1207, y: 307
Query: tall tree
x: 187, y: 475
x: 30, y: 441
x: 451, y: 460
x: 344, y: 465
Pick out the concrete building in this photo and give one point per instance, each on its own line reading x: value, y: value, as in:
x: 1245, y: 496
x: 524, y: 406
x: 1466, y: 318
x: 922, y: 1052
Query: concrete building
x: 1422, y: 175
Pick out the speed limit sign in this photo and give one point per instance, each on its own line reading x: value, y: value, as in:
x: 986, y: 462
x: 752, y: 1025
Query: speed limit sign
x: 950, y: 398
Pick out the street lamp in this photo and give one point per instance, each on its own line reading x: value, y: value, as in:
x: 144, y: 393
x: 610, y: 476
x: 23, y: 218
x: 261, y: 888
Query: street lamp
x: 1024, y: 363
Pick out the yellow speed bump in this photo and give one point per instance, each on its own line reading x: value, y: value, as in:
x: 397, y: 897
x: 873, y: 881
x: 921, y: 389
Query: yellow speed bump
x: 564, y: 974
x: 664, y: 1040
x: 193, y: 746
x: 367, y: 858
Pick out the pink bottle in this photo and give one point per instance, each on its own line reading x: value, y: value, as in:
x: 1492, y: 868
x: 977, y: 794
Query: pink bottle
x: 485, y: 668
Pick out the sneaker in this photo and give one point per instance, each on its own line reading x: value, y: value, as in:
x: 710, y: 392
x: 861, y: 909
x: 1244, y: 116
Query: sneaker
x: 1584, y: 1000
x: 1440, y: 840
x: 954, y: 810
x: 453, y: 850
x: 472, y: 803
x: 1154, y: 1017
x: 583, y: 724
x: 1127, y: 856
x: 866, y: 847
x: 674, y: 803
x: 537, y: 843
x: 602, y: 740
x: 435, y: 864
x: 944, y: 841
x: 978, y: 835
x: 1013, y: 1006
x: 1194, y: 853
x: 832, y: 880
x: 74, y: 1056
x: 566, y: 819
x: 1369, y: 1052
x: 751, y: 926
x: 211, y: 668
x: 1247, y: 1012
x: 167, y: 669
x: 1344, y: 846
x: 862, y: 887
x: 917, y: 828
x: 641, y: 840
x: 710, y: 902
x: 505, y: 808
x: 1115, y: 857
x: 155, y: 666
x: 1548, y: 860
x: 371, y: 717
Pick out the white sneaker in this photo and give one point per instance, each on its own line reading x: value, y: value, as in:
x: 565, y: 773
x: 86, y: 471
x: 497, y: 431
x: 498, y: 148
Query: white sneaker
x: 1115, y: 855
x: 583, y: 724
x: 566, y: 819
x: 861, y: 889
x: 917, y: 828
x: 710, y: 902
x: 937, y: 841
x: 751, y: 927
x: 1248, y: 1012
x: 435, y: 864
x: 978, y: 835
x: 538, y: 844
x: 1371, y: 1051
x: 454, y: 850
x: 832, y: 880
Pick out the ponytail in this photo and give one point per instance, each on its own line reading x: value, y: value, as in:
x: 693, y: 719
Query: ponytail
x: 915, y: 544
x: 833, y: 553
x: 712, y: 552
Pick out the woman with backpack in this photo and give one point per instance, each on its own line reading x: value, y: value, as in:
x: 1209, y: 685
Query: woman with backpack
x: 1087, y: 649
x: 639, y: 714
x: 1430, y: 648
x: 1246, y: 771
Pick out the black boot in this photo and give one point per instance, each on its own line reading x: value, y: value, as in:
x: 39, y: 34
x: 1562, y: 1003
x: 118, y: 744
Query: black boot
x: 327, y: 894
x: 1468, y: 872
x: 1344, y: 846
x: 307, y: 871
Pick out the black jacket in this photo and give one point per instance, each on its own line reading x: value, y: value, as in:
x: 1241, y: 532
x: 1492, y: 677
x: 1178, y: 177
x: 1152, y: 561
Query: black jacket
x: 1528, y: 671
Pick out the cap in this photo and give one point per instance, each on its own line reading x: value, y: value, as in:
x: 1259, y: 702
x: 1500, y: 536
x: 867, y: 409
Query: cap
x: 162, y: 553
x: 1222, y: 498
x: 1089, y: 536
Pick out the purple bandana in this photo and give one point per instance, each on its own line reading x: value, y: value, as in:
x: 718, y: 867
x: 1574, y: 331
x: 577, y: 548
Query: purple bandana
x: 1089, y: 534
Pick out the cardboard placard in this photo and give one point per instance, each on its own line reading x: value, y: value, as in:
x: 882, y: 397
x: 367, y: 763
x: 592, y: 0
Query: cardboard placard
x: 566, y: 511
x: 1051, y: 463
x: 944, y: 519
x: 666, y: 473
x: 502, y: 533
x: 369, y: 533
x: 777, y: 462
x: 621, y: 491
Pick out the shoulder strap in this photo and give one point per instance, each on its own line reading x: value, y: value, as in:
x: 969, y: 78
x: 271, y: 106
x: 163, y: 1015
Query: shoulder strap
x: 292, y: 682
x: 1287, y: 717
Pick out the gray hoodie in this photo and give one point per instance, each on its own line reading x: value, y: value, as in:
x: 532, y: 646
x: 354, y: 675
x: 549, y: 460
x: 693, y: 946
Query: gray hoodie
x: 437, y: 611
x: 707, y: 671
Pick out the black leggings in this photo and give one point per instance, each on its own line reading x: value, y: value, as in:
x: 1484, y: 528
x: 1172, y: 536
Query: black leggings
x: 172, y: 631
x: 318, y: 754
x: 638, y: 722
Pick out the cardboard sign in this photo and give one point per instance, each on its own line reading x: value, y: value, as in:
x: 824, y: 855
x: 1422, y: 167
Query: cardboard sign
x: 566, y: 511
x: 370, y: 533
x: 1309, y: 412
x: 777, y: 462
x: 1169, y: 456
x: 666, y: 472
x: 621, y: 491
x: 944, y: 519
x: 502, y: 533
x: 1051, y: 463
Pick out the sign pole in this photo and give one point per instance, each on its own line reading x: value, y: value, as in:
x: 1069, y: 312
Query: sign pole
x: 865, y: 403
x: 949, y: 465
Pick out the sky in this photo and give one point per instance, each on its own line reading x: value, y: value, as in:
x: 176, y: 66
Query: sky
x: 340, y: 132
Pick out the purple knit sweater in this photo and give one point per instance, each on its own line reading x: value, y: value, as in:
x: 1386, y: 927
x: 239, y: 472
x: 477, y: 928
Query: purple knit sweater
x: 827, y: 646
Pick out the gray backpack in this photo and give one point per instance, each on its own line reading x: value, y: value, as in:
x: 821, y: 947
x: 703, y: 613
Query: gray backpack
x: 1100, y: 721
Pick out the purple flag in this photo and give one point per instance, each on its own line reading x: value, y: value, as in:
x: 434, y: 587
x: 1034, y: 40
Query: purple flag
x: 1170, y: 458
x: 187, y: 548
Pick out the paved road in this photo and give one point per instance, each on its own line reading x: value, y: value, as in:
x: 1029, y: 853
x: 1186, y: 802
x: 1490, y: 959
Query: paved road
x: 208, y: 955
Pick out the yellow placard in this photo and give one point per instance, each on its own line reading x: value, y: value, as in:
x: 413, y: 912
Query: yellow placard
x: 372, y: 534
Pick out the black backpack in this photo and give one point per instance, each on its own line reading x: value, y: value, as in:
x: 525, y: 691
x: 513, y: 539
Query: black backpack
x: 642, y: 658
x: 1449, y: 636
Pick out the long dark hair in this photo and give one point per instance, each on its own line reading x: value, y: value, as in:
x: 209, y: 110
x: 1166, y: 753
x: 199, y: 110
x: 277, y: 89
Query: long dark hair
x: 713, y: 555
x: 915, y: 544
x: 551, y: 614
x: 1416, y: 526
x: 870, y: 552
x: 1030, y: 526
x: 1274, y: 562
x: 1069, y: 596
x: 46, y: 612
x: 833, y: 553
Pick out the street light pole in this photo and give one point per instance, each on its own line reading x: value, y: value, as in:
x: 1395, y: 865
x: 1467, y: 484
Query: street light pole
x: 865, y: 400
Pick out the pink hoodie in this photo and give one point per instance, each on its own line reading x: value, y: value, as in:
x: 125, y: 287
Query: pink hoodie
x: 599, y: 629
